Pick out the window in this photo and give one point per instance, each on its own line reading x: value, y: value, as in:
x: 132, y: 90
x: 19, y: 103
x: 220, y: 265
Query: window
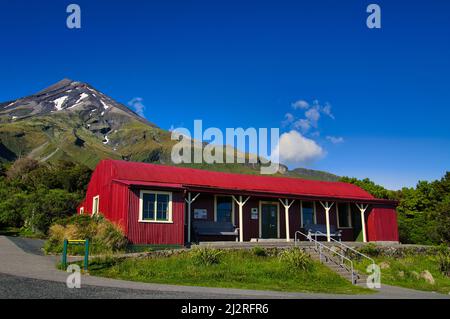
x: 81, y: 210
x: 95, y: 205
x: 344, y: 216
x: 308, y: 213
x: 155, y: 207
x: 224, y: 209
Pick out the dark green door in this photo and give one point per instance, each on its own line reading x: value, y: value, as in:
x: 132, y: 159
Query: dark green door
x: 269, y: 221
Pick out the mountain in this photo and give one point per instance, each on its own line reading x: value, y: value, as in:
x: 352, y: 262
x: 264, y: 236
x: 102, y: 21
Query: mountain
x: 73, y: 121
x: 313, y: 174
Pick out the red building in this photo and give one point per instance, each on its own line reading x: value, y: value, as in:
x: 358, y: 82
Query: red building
x: 158, y: 204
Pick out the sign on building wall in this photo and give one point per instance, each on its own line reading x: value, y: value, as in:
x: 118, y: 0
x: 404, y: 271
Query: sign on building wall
x: 200, y: 213
x: 254, y: 214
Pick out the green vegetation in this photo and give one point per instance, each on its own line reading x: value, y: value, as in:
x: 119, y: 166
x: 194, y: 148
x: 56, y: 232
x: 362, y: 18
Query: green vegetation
x: 296, y: 259
x: 423, y: 211
x: 53, y: 138
x: 34, y: 195
x: 259, y: 251
x: 426, y: 270
x: 104, y: 236
x: 226, y: 268
x: 205, y: 256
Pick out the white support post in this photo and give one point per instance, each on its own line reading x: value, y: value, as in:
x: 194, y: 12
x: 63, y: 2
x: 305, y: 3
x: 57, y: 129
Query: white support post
x: 363, y: 209
x: 189, y: 201
x: 241, y: 216
x: 327, y: 207
x: 286, y: 206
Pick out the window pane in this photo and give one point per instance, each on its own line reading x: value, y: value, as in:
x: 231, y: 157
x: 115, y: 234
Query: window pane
x: 308, y: 213
x: 162, y: 207
x: 343, y: 215
x: 224, y: 209
x: 148, y: 206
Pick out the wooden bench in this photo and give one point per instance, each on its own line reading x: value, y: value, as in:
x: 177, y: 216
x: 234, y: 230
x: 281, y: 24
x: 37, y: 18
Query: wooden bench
x: 215, y: 229
x: 320, y: 230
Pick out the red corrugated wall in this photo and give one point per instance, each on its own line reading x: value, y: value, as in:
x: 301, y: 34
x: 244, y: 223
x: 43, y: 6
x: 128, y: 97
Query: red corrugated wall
x: 100, y: 184
x: 156, y: 233
x: 113, y: 196
x: 382, y: 224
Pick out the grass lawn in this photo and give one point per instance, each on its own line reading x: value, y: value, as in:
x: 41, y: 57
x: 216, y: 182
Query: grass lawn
x: 405, y: 272
x: 237, y: 269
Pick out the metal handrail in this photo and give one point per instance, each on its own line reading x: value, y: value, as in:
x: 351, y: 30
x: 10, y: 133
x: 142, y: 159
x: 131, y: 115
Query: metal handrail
x: 347, y: 247
x: 320, y: 246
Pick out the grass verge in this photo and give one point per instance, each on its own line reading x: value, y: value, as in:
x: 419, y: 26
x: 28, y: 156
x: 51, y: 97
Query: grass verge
x: 241, y: 269
x: 409, y: 271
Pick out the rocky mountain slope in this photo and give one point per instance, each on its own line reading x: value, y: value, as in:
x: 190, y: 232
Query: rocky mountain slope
x: 73, y: 121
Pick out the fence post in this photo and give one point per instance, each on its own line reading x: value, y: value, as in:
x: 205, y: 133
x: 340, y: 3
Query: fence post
x: 86, y: 254
x: 64, y: 255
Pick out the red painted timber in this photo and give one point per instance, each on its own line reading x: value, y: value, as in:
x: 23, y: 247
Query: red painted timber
x: 382, y: 224
x: 156, y: 233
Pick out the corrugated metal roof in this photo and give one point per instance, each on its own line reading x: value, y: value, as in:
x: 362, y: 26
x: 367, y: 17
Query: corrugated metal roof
x: 144, y: 183
x: 139, y: 173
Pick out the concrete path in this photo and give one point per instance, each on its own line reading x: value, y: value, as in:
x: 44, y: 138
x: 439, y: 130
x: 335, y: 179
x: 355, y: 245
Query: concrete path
x: 26, y: 273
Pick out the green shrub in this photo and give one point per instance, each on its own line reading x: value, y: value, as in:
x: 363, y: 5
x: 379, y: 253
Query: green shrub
x: 104, y: 236
x: 205, y: 256
x: 296, y: 259
x: 443, y: 258
x: 370, y: 249
x: 259, y: 251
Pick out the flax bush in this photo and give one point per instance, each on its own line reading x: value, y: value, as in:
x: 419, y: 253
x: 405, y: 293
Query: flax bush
x: 296, y: 259
x: 205, y: 256
x: 443, y: 258
x: 104, y: 236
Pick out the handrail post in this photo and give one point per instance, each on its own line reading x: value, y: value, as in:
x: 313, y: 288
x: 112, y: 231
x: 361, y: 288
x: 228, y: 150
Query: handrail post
x: 353, y: 280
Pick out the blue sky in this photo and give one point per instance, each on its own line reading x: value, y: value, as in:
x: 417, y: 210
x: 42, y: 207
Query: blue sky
x: 244, y: 63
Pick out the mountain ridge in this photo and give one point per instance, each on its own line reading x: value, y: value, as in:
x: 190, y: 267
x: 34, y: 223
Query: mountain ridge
x: 73, y: 121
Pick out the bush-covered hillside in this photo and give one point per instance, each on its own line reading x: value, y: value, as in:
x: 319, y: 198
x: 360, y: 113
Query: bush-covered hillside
x: 423, y: 211
x: 33, y: 195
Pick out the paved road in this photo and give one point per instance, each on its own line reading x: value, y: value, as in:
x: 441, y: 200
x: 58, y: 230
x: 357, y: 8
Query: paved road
x: 26, y: 273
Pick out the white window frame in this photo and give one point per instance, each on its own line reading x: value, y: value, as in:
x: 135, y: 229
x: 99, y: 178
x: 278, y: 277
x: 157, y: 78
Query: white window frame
x: 95, y: 208
x: 314, y: 212
x: 349, y: 216
x: 141, y: 204
x: 232, y: 208
x: 81, y: 210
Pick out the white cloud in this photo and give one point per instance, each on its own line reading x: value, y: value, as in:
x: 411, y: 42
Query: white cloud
x: 295, y: 149
x: 288, y: 119
x: 137, y: 105
x: 300, y: 104
x: 326, y: 109
x: 303, y: 124
x: 313, y: 116
x: 335, y: 139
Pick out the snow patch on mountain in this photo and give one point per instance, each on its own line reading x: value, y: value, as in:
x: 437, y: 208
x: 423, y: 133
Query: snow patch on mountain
x: 105, y: 106
x: 82, y: 96
x: 59, y: 102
